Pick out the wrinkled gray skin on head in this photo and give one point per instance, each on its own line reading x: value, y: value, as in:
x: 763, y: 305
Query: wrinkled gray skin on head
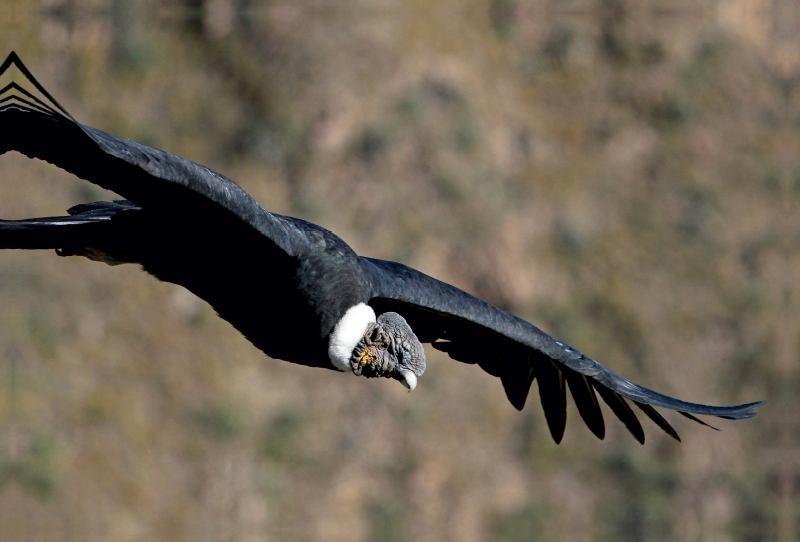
x: 389, y: 349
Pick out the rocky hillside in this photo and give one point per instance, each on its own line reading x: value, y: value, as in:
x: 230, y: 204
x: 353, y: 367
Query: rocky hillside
x: 623, y: 174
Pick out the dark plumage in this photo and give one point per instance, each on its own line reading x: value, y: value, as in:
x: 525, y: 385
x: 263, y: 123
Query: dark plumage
x: 284, y: 282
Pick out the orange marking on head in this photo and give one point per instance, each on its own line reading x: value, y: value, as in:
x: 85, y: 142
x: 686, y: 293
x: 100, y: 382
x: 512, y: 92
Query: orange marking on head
x: 369, y: 357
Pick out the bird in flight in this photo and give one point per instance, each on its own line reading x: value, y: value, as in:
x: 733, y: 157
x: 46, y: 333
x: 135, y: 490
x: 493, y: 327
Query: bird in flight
x: 294, y: 289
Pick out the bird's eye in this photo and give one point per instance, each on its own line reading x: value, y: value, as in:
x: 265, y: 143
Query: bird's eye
x: 382, y: 347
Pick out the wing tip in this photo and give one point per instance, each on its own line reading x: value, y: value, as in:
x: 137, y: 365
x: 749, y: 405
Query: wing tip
x: 736, y: 412
x: 13, y: 59
x: 638, y: 393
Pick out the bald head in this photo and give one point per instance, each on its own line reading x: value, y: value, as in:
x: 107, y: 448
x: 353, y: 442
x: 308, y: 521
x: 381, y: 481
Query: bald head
x: 389, y: 349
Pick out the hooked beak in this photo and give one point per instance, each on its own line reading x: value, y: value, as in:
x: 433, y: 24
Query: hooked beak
x: 409, y: 380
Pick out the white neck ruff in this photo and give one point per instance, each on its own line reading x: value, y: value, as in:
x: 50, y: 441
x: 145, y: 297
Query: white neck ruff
x: 347, y: 333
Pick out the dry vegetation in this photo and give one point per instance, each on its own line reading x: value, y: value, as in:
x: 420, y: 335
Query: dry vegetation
x: 622, y: 173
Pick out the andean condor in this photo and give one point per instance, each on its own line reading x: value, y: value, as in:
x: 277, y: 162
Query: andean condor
x: 294, y: 289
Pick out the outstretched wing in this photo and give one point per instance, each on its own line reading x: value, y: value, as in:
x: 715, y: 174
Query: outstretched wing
x: 191, y: 226
x: 473, y: 331
x: 39, y: 127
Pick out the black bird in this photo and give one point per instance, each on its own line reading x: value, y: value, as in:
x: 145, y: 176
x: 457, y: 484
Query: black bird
x: 294, y: 289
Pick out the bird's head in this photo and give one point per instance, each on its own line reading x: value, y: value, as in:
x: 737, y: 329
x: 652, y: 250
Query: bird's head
x: 389, y: 349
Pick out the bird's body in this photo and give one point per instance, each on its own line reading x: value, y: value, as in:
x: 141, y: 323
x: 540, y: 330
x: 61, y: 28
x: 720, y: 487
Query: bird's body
x: 294, y: 289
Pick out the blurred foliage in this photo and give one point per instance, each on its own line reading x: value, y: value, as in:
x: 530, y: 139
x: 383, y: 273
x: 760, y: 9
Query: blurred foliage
x: 279, y: 442
x: 518, y: 526
x: 221, y: 422
x: 622, y: 173
x: 386, y: 522
x: 39, y: 471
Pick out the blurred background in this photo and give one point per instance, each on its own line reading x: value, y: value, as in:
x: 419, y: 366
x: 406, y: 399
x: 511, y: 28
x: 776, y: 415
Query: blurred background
x: 622, y: 173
